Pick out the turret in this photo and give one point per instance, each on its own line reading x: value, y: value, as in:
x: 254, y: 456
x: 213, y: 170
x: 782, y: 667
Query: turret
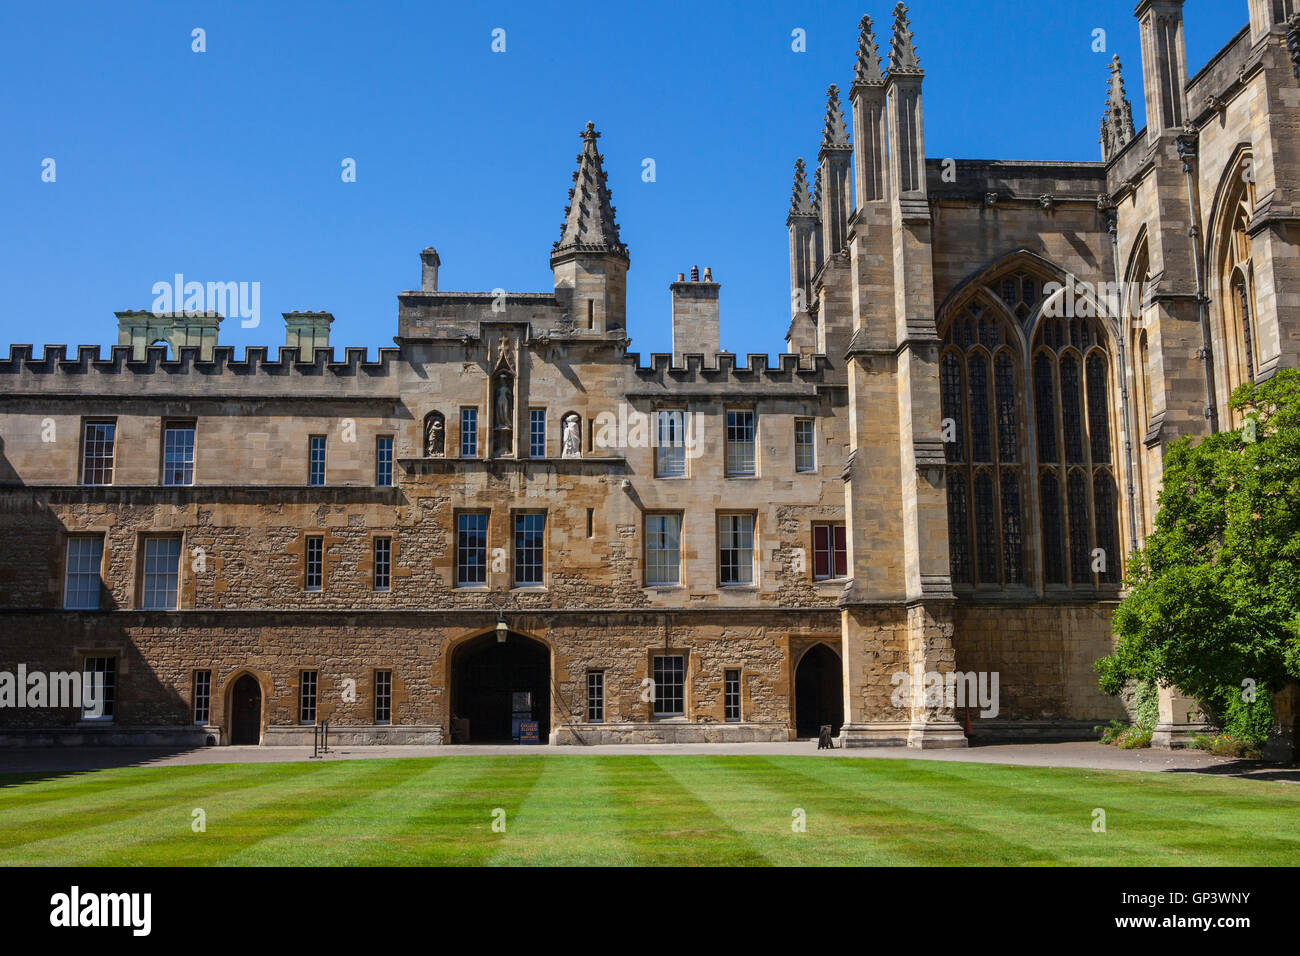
x: 590, y: 261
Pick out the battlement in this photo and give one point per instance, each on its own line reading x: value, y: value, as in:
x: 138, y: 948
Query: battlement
x: 794, y: 373
x: 121, y: 360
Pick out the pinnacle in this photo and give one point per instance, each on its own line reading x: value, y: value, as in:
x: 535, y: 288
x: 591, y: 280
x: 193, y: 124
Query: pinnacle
x: 589, y: 224
x: 800, y: 201
x: 1117, y: 122
x: 835, y: 133
x: 868, y: 71
x: 902, y: 49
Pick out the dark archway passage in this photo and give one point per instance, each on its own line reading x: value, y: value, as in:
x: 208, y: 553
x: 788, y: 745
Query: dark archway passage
x: 818, y: 692
x: 246, y: 711
x: 488, y: 678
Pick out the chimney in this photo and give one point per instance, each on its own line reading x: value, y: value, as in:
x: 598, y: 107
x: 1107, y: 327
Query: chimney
x: 429, y: 263
x: 307, y: 331
x: 695, y: 316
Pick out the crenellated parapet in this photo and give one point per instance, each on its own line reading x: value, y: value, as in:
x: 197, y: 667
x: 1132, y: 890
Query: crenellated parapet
x: 757, y: 367
x: 287, y: 370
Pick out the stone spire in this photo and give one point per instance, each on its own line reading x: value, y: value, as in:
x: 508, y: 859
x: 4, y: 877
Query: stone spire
x: 589, y: 224
x: 835, y: 135
x: 902, y: 51
x: 817, y: 193
x: 801, y: 201
x: 868, y: 72
x: 1117, y: 122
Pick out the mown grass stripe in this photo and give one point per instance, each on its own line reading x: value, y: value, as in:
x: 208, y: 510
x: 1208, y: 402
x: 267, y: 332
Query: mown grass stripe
x: 568, y: 818
x: 26, y: 825
x: 670, y: 809
x: 1054, y: 811
x: 166, y: 824
x: 843, y: 825
x: 664, y: 824
x: 356, y: 833
x: 456, y: 830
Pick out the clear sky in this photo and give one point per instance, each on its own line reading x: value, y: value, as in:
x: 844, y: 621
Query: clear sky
x: 226, y: 165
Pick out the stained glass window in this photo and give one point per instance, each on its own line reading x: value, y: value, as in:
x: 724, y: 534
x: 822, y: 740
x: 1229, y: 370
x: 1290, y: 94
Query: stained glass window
x: 958, y: 532
x: 1107, y: 525
x: 1004, y: 375
x: 1080, y: 538
x: 950, y: 382
x: 1045, y: 407
x: 986, y: 528
x: 1098, y: 419
x: 981, y: 410
x: 1053, y: 559
x: 1071, y: 410
x: 1084, y: 513
x: 1012, y: 537
x: 978, y: 372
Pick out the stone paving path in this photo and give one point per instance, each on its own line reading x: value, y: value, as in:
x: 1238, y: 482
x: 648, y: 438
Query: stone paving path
x: 1084, y: 755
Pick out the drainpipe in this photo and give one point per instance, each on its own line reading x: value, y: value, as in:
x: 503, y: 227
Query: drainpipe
x: 1187, y: 146
x: 1112, y: 225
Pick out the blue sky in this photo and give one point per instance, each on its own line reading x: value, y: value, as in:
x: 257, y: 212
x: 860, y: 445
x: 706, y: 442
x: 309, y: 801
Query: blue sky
x: 225, y: 165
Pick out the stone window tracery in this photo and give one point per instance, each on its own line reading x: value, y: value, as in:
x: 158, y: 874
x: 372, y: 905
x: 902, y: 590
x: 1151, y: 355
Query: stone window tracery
x: 978, y: 377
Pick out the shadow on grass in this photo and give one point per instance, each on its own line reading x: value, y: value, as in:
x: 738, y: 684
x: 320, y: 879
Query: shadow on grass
x: 20, y: 766
x: 1247, y: 769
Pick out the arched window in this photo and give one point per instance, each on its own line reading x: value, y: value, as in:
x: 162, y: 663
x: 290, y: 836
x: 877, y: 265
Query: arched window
x: 1236, y: 338
x: 980, y: 388
x: 1078, y: 496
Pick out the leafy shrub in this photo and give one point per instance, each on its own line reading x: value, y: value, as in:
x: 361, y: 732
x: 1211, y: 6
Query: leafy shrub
x: 1133, y: 739
x: 1225, y: 746
x: 1111, y: 731
x: 1146, y: 703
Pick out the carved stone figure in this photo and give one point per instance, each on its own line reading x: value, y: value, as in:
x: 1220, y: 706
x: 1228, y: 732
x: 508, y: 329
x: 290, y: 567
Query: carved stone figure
x: 505, y: 404
x: 572, y: 436
x: 434, y: 436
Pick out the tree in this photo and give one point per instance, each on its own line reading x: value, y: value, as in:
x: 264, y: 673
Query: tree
x: 1214, y: 594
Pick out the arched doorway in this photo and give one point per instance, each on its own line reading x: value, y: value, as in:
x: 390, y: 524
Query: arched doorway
x: 818, y: 692
x: 493, y: 682
x: 246, y: 711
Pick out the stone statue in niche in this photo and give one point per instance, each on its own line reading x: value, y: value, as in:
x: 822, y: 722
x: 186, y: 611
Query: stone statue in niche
x: 435, y: 434
x: 503, y: 412
x: 572, y: 436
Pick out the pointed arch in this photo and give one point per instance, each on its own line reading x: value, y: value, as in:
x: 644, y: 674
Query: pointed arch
x: 1077, y: 452
x: 1234, y: 332
x: 1018, y: 260
x: 981, y: 383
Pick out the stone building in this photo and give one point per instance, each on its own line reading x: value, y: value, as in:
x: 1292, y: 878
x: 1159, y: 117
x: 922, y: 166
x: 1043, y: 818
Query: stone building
x: 508, y: 519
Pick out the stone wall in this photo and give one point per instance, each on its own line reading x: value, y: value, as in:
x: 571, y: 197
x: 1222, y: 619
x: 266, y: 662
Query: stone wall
x: 1043, y: 655
x: 157, y: 654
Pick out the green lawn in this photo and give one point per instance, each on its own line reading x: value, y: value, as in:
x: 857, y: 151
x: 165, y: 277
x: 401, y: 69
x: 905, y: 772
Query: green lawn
x: 642, y: 810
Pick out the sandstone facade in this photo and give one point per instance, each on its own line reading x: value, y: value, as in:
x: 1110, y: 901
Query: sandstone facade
x: 945, y: 473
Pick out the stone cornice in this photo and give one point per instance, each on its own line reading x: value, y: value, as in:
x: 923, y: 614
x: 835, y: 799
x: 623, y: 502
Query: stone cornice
x: 41, y: 496
x: 591, y: 465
